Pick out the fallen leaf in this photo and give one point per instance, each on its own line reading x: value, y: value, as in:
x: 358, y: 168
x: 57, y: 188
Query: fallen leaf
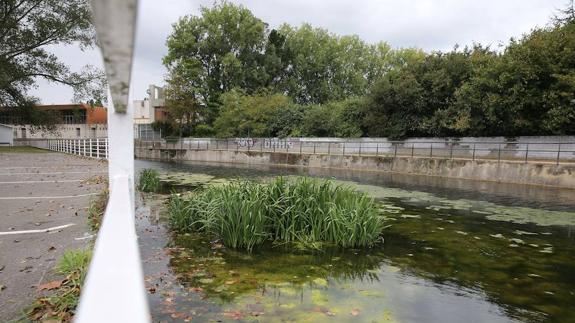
x: 196, y: 289
x: 178, y: 315
x: 236, y: 315
x: 51, y: 285
x: 152, y: 290
x: 217, y: 246
x: 355, y: 312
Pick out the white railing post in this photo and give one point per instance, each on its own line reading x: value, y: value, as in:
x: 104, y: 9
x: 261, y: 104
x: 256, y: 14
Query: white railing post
x: 97, y: 148
x: 114, y: 289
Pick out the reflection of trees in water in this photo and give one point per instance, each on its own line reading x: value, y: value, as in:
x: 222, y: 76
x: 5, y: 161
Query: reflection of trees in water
x: 226, y: 274
x: 523, y: 281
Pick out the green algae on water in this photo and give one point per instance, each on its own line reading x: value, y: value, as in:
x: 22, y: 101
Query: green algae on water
x: 492, y: 211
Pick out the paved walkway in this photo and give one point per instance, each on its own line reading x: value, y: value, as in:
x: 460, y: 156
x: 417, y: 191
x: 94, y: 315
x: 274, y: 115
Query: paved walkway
x: 39, y: 191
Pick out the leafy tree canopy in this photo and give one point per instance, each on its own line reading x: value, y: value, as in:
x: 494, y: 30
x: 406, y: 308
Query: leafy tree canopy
x: 26, y: 28
x: 306, y: 81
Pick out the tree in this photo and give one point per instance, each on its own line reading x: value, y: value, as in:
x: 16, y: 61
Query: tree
x: 320, y: 66
x: 395, y: 106
x: 527, y: 90
x: 286, y: 120
x: 26, y: 28
x: 248, y: 115
x: 334, y: 119
x: 218, y: 51
x: 182, y: 104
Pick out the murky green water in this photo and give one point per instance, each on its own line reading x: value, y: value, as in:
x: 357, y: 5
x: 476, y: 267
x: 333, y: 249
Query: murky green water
x: 454, y: 251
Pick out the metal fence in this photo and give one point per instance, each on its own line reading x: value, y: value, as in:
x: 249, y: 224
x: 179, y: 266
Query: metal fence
x: 557, y: 152
x: 95, y: 148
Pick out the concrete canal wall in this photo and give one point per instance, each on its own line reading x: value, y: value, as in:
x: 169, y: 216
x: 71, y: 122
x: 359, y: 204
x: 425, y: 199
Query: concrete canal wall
x: 533, y: 172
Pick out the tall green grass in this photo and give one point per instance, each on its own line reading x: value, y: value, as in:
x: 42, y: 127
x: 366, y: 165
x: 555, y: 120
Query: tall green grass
x: 61, y: 303
x: 305, y: 211
x: 149, y: 180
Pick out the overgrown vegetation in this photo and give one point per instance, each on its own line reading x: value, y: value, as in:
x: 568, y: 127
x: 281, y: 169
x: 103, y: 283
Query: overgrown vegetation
x: 96, y: 209
x: 239, y: 78
x: 149, y: 181
x: 61, y: 304
x: 304, y: 212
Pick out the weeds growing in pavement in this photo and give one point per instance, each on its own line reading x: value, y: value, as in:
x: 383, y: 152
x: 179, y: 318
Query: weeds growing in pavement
x: 96, y: 209
x: 61, y: 304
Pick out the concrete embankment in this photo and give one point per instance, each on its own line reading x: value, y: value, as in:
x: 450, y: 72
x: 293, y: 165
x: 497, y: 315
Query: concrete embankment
x: 534, y: 173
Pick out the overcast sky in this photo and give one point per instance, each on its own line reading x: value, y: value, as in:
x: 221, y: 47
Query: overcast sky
x: 428, y: 24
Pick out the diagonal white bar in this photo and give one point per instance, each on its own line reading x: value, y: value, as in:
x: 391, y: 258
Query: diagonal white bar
x: 114, y: 287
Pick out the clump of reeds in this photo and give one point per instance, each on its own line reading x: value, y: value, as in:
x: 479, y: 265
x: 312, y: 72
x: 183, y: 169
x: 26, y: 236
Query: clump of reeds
x: 304, y: 211
x: 149, y: 181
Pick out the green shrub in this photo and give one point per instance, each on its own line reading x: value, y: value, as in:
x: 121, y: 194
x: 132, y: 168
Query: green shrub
x: 149, y: 181
x: 302, y: 212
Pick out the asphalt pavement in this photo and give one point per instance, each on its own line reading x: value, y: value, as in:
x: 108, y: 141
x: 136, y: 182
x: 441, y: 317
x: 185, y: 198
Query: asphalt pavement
x: 44, y: 198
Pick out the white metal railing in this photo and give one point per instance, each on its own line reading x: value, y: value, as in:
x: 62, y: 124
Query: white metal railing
x: 114, y: 289
x: 543, y: 151
x: 95, y: 148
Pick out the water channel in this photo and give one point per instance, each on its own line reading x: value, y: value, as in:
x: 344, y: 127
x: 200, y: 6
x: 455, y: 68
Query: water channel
x: 454, y: 251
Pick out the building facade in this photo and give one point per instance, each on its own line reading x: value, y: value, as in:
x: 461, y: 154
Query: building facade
x: 6, y: 135
x: 73, y: 121
x: 152, y: 108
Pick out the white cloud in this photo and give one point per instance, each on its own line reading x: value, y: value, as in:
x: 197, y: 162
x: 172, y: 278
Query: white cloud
x: 429, y: 24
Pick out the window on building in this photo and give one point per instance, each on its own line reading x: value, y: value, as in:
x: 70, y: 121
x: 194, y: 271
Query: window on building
x: 78, y: 132
x: 23, y: 132
x: 93, y: 133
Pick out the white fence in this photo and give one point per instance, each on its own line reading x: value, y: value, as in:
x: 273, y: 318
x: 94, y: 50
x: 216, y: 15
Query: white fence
x: 95, y: 148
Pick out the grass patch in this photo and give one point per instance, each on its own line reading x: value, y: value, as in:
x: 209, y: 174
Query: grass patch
x: 304, y: 212
x: 96, y: 209
x: 61, y: 304
x: 149, y: 181
x: 21, y: 149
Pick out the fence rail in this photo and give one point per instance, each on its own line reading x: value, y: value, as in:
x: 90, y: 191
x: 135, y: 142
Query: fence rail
x: 95, y: 148
x: 557, y: 152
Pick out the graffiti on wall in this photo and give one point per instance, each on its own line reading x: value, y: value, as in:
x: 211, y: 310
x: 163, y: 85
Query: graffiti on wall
x: 245, y: 142
x: 267, y: 143
x: 277, y: 143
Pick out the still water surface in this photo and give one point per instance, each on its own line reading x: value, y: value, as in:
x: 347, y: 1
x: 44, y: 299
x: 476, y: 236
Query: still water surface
x: 454, y: 251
